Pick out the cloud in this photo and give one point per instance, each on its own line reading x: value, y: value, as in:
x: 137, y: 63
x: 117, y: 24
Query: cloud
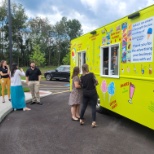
x: 87, y: 23
x: 150, y: 2
x: 91, y: 5
x: 1, y: 2
x: 91, y: 13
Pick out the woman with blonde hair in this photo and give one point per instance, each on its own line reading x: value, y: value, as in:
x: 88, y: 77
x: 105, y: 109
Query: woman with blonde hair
x: 5, y: 79
x: 88, y: 82
x: 75, y: 95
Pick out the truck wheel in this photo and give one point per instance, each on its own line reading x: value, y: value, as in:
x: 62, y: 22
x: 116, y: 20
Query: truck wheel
x: 98, y: 105
x: 100, y: 109
x: 48, y: 77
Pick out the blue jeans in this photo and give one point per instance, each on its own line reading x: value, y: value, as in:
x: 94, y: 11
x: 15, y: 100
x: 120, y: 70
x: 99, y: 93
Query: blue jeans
x: 92, y: 100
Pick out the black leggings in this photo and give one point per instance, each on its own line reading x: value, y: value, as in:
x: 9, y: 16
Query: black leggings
x: 93, y: 101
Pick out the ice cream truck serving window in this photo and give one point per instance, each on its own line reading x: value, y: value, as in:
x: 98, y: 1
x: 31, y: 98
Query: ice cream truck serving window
x: 81, y: 59
x: 110, y: 61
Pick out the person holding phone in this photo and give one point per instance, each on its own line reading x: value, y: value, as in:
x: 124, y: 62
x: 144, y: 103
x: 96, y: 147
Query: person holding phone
x: 5, y: 79
x: 17, y: 93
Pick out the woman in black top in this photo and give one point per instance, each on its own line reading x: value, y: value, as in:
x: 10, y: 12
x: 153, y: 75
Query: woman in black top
x: 5, y: 79
x: 88, y: 82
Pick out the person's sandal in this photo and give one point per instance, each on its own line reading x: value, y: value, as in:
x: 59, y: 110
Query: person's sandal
x: 26, y: 109
x: 75, y: 119
x: 93, y: 125
x: 81, y: 122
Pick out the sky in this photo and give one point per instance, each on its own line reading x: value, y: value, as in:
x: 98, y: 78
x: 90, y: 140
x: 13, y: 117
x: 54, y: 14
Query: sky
x: 91, y: 14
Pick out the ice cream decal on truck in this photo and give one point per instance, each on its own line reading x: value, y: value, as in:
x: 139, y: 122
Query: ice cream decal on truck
x: 111, y: 91
x: 131, y: 92
x: 73, y: 53
x: 104, y: 88
x: 108, y: 88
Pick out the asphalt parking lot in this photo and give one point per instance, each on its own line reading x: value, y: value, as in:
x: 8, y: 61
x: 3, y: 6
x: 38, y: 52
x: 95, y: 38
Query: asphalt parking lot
x: 48, y: 129
x: 54, y: 86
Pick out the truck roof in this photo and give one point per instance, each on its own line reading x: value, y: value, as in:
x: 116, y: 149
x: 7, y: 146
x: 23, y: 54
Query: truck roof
x: 116, y: 20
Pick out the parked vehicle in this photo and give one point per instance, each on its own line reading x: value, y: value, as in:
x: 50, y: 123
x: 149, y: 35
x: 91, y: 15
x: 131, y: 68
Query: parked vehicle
x: 60, y: 73
x: 121, y: 55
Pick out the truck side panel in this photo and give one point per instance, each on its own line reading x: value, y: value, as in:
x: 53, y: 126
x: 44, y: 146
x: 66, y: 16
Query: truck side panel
x: 130, y: 92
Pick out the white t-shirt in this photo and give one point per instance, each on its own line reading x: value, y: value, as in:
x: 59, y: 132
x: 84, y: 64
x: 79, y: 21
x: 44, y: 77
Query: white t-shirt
x: 15, y: 79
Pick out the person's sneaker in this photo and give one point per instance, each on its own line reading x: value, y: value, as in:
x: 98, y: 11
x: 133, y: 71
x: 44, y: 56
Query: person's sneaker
x: 32, y: 103
x: 39, y: 103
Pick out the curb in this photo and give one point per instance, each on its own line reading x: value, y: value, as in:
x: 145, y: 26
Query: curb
x: 5, y: 112
x: 8, y: 107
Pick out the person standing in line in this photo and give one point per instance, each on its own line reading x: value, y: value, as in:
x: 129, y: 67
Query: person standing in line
x: 17, y: 93
x: 75, y: 95
x: 33, y: 78
x: 88, y: 82
x: 5, y: 79
x: 0, y: 79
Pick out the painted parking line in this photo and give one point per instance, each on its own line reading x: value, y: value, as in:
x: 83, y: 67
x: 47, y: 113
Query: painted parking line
x: 67, y: 85
x: 43, y: 85
x: 60, y: 92
x: 54, y: 88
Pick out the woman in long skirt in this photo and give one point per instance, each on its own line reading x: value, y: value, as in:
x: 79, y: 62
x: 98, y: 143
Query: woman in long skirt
x: 17, y: 93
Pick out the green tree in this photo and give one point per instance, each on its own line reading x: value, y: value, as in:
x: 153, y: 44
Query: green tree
x: 64, y: 31
x: 54, y: 48
x: 66, y: 59
x: 37, y: 56
x: 73, y: 28
x: 18, y: 22
x: 3, y: 22
x: 40, y: 28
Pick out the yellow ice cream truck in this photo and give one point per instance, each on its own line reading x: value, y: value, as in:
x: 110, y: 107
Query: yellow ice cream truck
x: 121, y: 56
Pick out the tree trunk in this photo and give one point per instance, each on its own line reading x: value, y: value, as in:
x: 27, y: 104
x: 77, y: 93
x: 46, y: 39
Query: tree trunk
x: 49, y: 57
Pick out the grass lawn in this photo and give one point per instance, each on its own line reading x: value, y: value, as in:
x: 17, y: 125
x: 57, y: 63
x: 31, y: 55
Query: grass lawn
x: 43, y: 69
x: 24, y: 88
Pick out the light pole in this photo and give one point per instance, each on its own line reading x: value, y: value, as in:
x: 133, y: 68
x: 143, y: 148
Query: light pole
x: 10, y: 31
x: 2, y: 20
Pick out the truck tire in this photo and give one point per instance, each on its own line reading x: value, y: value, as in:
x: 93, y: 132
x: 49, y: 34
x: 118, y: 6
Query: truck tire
x: 48, y: 77
x: 99, y: 108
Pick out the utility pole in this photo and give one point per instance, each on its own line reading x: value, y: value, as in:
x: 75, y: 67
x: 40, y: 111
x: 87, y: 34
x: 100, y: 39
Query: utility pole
x: 10, y: 31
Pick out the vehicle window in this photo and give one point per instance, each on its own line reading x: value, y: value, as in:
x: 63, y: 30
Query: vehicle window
x: 114, y: 60
x: 109, y: 61
x: 60, y: 68
x: 66, y: 69
x: 105, y: 58
x: 81, y: 59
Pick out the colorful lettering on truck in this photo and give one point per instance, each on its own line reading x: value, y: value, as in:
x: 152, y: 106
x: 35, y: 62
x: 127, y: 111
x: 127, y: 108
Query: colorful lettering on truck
x: 121, y: 56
